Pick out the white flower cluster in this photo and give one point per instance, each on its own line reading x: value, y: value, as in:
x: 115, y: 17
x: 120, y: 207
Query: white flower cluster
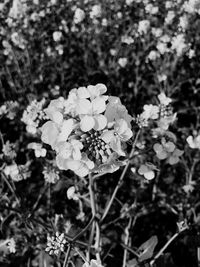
x: 17, y: 172
x: 9, y: 150
x: 162, y: 114
x: 192, y: 6
x: 9, y: 109
x: 55, y: 244
x: 33, y: 115
x: 88, y: 130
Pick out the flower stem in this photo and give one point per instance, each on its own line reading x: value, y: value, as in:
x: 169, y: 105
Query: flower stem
x: 166, y: 246
x: 120, y: 179
x: 93, y: 207
x: 84, y: 230
x: 10, y: 187
x: 127, y: 233
x: 65, y: 264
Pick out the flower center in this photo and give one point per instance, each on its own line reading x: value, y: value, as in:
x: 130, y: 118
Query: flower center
x: 95, y: 148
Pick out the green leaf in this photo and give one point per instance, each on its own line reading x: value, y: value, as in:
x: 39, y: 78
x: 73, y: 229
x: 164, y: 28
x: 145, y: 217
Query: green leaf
x: 146, y: 250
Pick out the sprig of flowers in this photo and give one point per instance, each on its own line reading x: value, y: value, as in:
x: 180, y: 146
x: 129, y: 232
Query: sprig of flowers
x: 88, y: 130
x: 33, y: 115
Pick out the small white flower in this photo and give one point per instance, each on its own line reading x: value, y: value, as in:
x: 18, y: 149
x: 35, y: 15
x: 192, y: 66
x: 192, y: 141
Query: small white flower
x: 143, y: 26
x: 71, y: 193
x: 104, y: 22
x: 157, y: 32
x: 178, y: 44
x: 57, y: 35
x: 183, y: 22
x: 170, y: 16
x: 151, y: 9
x: 113, y: 52
x: 11, y: 170
x: 38, y: 149
x: 33, y: 115
x: 150, y: 112
x: 95, y: 12
x: 191, y: 53
x: 147, y: 170
x: 153, y: 55
x: 79, y: 16
x: 193, y: 142
x: 164, y: 100
x: 9, y: 150
x: 122, y: 61
x: 168, y: 4
x: 17, y: 40
x: 127, y: 40
x: 17, y: 172
x: 162, y: 77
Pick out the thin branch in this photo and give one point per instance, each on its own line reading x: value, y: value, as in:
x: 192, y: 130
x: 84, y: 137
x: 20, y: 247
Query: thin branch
x: 160, y: 252
x: 120, y: 180
x: 84, y: 230
x: 66, y: 261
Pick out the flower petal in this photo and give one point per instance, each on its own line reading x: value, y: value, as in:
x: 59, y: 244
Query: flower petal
x: 149, y: 175
x: 169, y: 146
x: 116, y: 146
x: 126, y: 135
x: 143, y: 169
x: 162, y: 155
x: 87, y: 123
x: 173, y: 160
x: 82, y: 92
x: 66, y: 130
x: 98, y: 105
x: 100, y: 122
x: 49, y: 133
x: 83, y: 106
x: 65, y: 164
x: 107, y: 136
x: 121, y: 126
x: 158, y: 148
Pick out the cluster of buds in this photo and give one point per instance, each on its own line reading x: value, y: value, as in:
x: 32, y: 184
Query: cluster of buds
x: 33, y: 115
x: 88, y: 130
x: 55, y: 244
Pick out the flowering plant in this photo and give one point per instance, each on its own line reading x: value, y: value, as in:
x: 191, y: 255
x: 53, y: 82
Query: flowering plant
x: 88, y: 131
